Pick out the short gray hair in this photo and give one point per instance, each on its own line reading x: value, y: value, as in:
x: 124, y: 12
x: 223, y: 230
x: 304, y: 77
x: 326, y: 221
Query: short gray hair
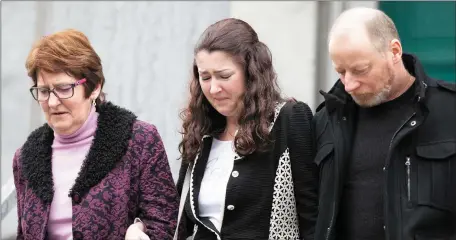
x: 381, y: 30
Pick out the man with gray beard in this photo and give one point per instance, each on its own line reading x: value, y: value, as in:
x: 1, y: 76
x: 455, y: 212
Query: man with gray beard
x: 384, y: 174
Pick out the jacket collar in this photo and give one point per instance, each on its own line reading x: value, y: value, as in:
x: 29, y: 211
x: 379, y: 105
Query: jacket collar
x: 114, y: 130
x: 338, y: 98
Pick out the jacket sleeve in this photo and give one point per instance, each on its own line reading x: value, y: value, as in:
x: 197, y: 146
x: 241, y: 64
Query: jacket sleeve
x: 185, y: 225
x: 305, y: 172
x: 158, y: 198
x: 20, y: 188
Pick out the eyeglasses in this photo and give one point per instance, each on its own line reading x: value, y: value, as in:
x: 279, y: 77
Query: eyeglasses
x: 64, y: 91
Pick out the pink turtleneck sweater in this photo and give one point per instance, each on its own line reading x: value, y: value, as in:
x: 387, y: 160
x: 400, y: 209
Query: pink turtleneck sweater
x: 68, y: 154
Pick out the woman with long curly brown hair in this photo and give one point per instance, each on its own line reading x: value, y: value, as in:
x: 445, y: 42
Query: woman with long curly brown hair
x: 247, y: 154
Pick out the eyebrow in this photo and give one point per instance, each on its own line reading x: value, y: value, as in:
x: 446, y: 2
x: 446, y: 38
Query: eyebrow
x: 223, y: 70
x: 55, y: 85
x: 218, y: 71
x: 360, y: 64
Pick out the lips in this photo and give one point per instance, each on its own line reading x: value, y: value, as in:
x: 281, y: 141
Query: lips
x: 58, y: 113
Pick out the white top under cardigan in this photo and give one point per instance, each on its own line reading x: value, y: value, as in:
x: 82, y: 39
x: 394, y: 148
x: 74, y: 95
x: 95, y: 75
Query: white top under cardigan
x: 213, y: 186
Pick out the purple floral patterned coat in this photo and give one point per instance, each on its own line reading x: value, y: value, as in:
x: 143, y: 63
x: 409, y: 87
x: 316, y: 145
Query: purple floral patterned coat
x: 126, y: 175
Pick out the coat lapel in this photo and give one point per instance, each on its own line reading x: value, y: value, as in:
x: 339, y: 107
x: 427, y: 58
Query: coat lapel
x: 197, y: 174
x: 114, y: 130
x: 36, y: 156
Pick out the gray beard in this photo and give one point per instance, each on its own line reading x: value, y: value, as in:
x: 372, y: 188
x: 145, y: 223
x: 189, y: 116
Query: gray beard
x: 368, y: 100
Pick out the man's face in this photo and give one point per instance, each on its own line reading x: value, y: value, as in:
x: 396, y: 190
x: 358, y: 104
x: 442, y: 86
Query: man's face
x: 366, y: 73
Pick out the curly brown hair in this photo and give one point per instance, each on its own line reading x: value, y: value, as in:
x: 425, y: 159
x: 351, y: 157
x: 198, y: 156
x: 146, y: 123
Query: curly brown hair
x: 239, y: 40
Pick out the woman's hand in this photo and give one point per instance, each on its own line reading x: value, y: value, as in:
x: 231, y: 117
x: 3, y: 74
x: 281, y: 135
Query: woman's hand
x: 136, y: 232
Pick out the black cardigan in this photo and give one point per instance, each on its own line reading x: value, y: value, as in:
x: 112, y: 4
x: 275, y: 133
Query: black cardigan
x: 249, y: 196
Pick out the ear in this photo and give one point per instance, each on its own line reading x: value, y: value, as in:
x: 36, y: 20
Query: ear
x: 396, y: 50
x: 96, y: 92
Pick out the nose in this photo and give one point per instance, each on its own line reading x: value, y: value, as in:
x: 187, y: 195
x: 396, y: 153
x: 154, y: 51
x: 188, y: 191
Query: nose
x: 53, y: 100
x: 215, y: 88
x: 350, y: 84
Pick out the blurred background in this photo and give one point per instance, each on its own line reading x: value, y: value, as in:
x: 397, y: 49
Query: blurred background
x: 147, y: 49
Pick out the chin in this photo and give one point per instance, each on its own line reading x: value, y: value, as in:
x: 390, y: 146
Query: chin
x: 60, y: 127
x: 224, y: 111
x: 366, y: 104
x: 370, y: 101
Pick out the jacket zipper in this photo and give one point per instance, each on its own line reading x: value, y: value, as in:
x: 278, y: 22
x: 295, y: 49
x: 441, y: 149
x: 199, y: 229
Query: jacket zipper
x: 328, y: 232
x: 394, y: 136
x: 407, y: 164
x: 386, y: 165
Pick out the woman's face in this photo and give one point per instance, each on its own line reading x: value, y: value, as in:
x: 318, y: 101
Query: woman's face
x: 64, y: 116
x: 222, y: 81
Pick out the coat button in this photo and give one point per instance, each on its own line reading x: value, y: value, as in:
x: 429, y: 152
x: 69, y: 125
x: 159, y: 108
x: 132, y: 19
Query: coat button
x: 230, y: 207
x: 235, y: 174
x: 413, y: 123
x: 77, y: 235
x: 76, y: 198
